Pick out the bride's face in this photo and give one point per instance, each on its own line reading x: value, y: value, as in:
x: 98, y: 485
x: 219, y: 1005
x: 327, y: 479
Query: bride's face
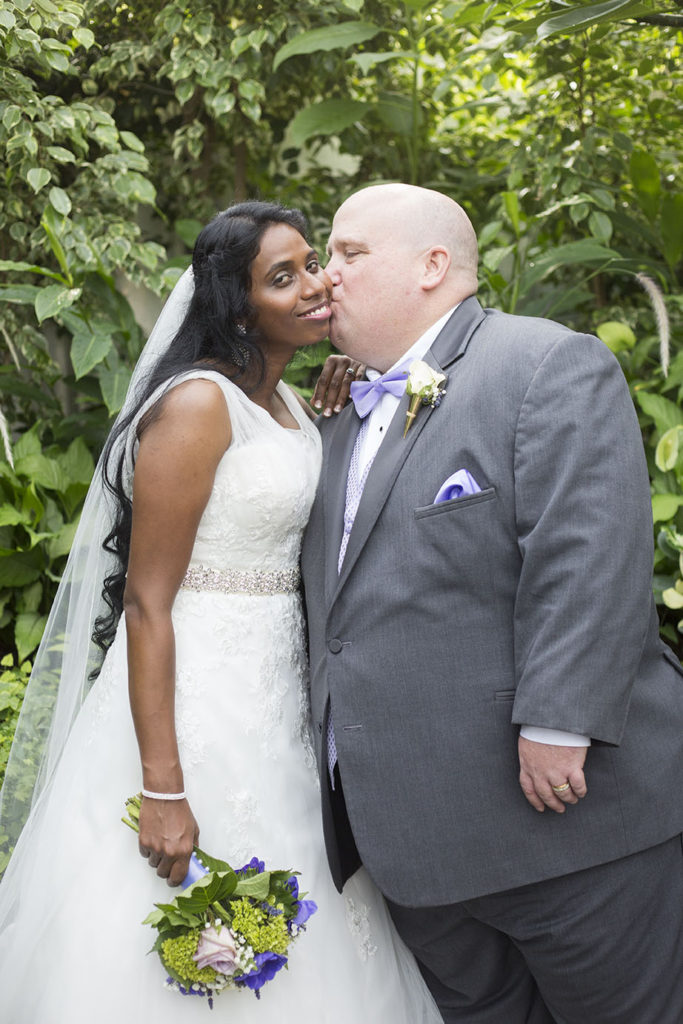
x: 289, y: 289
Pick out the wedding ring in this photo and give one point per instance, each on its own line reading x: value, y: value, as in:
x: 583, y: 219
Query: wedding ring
x: 350, y: 371
x: 560, y: 789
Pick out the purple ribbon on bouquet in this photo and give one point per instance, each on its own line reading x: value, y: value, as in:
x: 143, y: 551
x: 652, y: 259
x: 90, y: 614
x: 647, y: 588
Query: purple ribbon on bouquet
x: 195, y: 871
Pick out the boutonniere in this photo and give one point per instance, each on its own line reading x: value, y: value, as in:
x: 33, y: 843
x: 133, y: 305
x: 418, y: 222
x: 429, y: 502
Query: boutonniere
x: 425, y: 388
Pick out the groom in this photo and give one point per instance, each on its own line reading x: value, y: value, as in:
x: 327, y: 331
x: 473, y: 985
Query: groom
x: 484, y: 644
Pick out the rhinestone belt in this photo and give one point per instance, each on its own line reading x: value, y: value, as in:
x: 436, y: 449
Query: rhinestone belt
x: 242, y: 581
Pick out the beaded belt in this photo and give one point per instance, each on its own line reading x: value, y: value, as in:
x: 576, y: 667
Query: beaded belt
x: 242, y: 581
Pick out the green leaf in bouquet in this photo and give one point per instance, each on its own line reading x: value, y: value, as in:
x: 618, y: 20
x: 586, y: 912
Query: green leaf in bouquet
x: 171, y: 916
x: 155, y: 918
x: 216, y: 886
x: 257, y: 887
x: 212, y: 863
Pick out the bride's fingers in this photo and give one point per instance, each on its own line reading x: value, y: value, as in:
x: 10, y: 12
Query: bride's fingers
x: 332, y: 387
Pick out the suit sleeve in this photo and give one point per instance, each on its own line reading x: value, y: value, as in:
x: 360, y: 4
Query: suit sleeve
x: 584, y: 528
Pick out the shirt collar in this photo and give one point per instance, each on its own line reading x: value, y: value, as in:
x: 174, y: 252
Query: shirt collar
x: 419, y: 348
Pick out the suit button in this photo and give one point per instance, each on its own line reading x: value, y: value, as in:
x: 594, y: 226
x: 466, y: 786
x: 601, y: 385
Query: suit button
x: 335, y: 646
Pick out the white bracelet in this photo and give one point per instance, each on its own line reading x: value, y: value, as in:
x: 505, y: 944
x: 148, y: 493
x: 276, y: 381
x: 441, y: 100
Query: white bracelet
x: 163, y: 796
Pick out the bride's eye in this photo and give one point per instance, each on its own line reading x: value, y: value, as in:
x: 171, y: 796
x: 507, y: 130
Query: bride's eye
x: 282, y: 279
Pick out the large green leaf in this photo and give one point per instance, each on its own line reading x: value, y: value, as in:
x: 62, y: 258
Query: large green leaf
x: 18, y: 570
x: 28, y: 630
x: 61, y: 543
x: 10, y: 516
x: 580, y: 16
x: 30, y: 267
x: 77, y: 462
x: 365, y: 61
x: 665, y: 506
x: 616, y: 335
x: 59, y: 200
x: 667, y: 450
x: 27, y: 444
x: 584, y: 251
x: 43, y: 471
x: 326, y: 118
x: 51, y: 300
x: 87, y: 350
x: 332, y: 37
x: 24, y: 294
x: 114, y: 384
x: 38, y: 178
x: 665, y: 413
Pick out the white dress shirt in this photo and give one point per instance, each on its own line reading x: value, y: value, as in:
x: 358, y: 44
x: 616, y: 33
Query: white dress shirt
x: 378, y: 424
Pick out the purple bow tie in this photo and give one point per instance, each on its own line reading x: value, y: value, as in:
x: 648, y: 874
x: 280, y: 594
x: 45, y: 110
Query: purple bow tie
x: 365, y: 394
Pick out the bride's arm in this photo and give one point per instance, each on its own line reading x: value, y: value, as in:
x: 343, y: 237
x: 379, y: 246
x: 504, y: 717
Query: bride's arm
x: 174, y: 473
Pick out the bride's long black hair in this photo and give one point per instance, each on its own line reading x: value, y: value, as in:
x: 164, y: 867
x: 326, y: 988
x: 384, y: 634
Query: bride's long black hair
x: 212, y: 335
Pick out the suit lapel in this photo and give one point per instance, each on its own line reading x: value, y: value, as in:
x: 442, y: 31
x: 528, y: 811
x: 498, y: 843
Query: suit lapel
x: 336, y: 471
x: 449, y: 346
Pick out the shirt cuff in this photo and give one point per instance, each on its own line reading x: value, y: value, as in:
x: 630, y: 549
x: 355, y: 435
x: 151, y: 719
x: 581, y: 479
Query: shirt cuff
x: 555, y: 737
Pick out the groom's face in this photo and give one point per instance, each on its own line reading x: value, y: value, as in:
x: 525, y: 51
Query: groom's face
x: 374, y: 276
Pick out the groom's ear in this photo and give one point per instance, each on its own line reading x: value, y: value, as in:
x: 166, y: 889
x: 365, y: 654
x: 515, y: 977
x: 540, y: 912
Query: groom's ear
x: 436, y: 262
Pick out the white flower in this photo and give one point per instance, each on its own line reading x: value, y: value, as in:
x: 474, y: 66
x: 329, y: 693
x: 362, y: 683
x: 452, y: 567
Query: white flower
x: 425, y: 388
x: 423, y: 378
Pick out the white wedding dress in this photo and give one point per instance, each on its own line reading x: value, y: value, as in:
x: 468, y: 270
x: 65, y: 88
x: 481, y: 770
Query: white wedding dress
x: 75, y: 951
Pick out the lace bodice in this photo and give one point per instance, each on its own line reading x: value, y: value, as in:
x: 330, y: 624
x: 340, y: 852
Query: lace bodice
x: 263, y: 489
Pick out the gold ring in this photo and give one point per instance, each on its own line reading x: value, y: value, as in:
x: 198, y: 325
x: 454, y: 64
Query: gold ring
x: 561, y: 789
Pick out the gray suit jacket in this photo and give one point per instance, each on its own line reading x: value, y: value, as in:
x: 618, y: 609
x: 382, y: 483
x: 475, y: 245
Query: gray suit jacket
x: 529, y: 602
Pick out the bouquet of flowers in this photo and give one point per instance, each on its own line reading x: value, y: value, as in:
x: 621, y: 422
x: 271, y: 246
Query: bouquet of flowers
x: 227, y: 929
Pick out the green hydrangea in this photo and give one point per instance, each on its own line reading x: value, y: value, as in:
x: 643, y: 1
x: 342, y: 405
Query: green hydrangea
x: 177, y: 957
x: 263, y: 931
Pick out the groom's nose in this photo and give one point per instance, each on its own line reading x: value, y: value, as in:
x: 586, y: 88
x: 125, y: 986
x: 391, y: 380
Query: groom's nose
x: 333, y: 270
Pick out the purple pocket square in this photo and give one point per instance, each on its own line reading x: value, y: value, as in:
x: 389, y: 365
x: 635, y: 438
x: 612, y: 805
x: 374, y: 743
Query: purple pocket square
x: 459, y: 485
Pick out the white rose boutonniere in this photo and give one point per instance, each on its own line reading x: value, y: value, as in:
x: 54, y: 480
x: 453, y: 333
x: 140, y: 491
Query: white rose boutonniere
x: 425, y: 388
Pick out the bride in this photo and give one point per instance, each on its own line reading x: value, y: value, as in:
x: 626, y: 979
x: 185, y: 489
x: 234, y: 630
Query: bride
x: 185, y: 572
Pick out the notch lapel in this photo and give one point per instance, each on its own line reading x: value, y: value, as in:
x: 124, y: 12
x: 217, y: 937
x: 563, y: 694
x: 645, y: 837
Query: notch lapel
x: 336, y: 472
x: 449, y: 346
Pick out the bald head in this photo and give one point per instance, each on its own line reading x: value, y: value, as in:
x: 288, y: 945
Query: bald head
x: 400, y: 258
x: 421, y: 218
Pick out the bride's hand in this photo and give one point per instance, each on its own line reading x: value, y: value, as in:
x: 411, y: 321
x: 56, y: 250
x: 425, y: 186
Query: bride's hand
x: 334, y: 382
x: 168, y: 832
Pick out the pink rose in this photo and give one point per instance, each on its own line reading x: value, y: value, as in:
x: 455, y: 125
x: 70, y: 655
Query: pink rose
x: 216, y: 949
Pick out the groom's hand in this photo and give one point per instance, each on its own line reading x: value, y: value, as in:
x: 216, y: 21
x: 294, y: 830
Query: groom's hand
x: 542, y: 766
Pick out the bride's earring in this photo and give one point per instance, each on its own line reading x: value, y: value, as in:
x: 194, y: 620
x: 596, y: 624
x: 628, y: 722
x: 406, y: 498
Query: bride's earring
x: 241, y: 328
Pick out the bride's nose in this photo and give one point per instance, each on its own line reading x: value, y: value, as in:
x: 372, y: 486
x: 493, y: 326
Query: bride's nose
x: 314, y: 284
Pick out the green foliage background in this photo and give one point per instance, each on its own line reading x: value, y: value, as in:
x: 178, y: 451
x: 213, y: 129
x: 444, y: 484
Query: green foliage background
x: 124, y: 127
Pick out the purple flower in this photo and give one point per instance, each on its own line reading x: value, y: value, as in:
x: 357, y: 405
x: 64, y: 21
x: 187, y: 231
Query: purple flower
x: 254, y: 864
x: 293, y: 886
x: 267, y: 966
x: 306, y: 908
